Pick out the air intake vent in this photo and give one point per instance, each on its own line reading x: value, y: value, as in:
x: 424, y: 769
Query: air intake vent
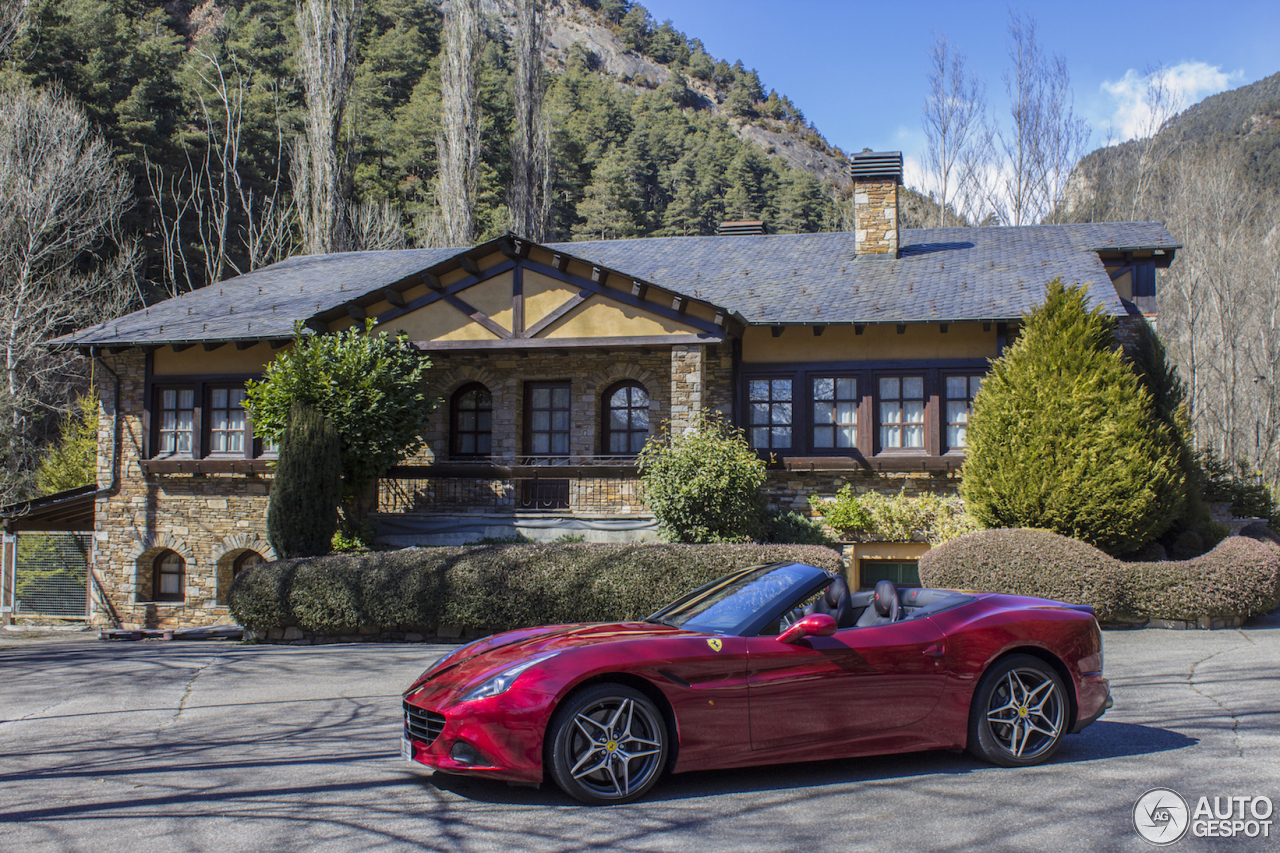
x: 882, y: 165
x: 422, y: 725
x: 739, y: 229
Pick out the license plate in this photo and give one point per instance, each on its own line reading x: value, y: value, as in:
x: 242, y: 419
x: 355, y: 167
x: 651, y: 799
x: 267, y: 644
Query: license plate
x: 406, y: 748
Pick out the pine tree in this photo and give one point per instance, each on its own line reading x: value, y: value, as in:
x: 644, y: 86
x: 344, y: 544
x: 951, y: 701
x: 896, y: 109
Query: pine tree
x: 1064, y: 436
x: 302, y: 515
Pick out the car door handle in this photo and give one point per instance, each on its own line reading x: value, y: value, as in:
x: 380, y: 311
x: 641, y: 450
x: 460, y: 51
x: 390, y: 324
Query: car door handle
x: 937, y: 650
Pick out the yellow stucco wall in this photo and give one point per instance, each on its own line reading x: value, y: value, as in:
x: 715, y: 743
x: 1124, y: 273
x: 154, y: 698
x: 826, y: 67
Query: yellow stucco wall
x: 542, y: 295
x: 876, y: 343
x: 599, y: 317
x: 440, y: 321
x: 225, y: 359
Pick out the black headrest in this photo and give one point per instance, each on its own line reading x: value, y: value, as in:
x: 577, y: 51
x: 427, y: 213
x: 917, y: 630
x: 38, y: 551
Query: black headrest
x: 885, y: 598
x: 836, y: 590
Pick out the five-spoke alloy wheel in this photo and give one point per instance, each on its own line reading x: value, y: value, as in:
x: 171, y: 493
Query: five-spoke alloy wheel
x: 607, y: 744
x: 1019, y: 712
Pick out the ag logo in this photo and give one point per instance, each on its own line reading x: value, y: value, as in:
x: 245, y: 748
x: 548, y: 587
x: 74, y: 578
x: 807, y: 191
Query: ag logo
x: 1161, y: 816
x: 715, y: 644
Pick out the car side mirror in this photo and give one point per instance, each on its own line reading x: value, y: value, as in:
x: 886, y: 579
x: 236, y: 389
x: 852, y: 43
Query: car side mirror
x: 813, y: 625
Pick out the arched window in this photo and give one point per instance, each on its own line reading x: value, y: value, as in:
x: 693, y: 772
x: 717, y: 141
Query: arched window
x: 168, y: 575
x: 471, y: 426
x: 626, y: 419
x: 247, y: 560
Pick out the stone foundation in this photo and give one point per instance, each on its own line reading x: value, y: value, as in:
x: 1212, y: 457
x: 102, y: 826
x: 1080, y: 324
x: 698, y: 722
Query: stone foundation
x: 789, y: 491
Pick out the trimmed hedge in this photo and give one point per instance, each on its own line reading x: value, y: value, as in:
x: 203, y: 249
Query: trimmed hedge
x: 1240, y: 577
x: 494, y: 588
x: 1027, y: 562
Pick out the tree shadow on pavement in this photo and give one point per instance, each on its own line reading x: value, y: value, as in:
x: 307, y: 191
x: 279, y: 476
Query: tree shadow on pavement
x: 1099, y: 742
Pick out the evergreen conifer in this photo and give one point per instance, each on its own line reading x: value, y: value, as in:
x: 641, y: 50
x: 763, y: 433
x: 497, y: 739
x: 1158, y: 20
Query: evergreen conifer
x: 1065, y: 437
x: 302, y: 515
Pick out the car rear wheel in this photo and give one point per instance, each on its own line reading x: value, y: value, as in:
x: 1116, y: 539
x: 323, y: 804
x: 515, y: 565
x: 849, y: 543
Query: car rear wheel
x: 607, y: 744
x: 1019, y: 713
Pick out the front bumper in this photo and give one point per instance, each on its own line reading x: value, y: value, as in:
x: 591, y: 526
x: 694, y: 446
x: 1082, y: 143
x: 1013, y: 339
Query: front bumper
x: 504, y: 734
x: 1094, y: 698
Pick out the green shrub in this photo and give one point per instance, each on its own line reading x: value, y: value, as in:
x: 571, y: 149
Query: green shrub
x: 1027, y: 562
x: 495, y: 588
x: 1240, y: 577
x: 302, y: 513
x: 899, y: 518
x: 792, y: 528
x: 703, y: 485
x: 369, y: 385
x: 1063, y: 436
x: 1237, y: 578
x: 1236, y: 485
x: 71, y: 461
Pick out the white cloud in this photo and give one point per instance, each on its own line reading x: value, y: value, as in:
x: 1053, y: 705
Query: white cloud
x: 1186, y: 82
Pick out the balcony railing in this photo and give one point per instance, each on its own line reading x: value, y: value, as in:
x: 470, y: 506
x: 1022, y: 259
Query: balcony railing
x: 574, y: 484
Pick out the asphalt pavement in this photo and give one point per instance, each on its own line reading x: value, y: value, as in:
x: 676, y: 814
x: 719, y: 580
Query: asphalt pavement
x: 155, y: 746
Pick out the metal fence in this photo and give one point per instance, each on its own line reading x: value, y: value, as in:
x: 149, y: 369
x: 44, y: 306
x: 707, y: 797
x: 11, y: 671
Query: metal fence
x: 47, y: 574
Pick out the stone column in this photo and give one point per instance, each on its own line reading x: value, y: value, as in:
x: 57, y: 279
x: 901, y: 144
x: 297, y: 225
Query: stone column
x: 688, y: 380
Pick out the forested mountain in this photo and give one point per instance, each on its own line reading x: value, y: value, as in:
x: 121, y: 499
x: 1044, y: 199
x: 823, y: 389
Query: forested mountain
x: 1211, y: 173
x: 202, y: 103
x: 1240, y: 125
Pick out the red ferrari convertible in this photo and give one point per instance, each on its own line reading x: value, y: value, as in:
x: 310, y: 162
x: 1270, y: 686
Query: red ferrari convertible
x: 766, y: 665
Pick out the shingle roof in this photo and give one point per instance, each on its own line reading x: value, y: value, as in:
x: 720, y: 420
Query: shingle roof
x: 943, y: 274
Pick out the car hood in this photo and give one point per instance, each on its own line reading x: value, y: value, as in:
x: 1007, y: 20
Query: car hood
x: 494, y: 654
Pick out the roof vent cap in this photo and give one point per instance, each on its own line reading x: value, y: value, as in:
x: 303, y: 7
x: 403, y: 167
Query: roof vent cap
x: 740, y: 229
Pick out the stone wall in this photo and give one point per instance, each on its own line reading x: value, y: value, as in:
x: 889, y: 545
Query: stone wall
x: 875, y: 207
x: 209, y: 520
x: 789, y: 491
x: 590, y: 373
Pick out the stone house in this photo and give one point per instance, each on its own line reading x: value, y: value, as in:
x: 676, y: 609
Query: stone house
x: 848, y: 358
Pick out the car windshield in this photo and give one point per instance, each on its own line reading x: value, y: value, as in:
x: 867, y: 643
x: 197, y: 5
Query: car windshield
x: 730, y: 604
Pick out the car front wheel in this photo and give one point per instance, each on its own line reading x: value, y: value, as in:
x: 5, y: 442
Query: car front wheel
x: 607, y: 744
x: 1019, y: 713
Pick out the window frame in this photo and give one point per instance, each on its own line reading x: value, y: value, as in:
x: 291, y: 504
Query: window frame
x: 770, y: 377
x: 202, y: 385
x: 607, y: 430
x: 157, y: 575
x: 868, y: 374
x: 455, y: 433
x: 811, y: 376
x: 157, y: 403
x: 928, y: 389
x: 528, y: 430
x: 944, y: 420
x: 247, y: 440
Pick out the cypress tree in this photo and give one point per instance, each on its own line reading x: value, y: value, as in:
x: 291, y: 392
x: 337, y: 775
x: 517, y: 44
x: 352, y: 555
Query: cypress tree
x: 303, y: 513
x: 1065, y: 437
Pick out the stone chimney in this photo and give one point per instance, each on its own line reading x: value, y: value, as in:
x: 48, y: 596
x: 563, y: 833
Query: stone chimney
x: 875, y: 203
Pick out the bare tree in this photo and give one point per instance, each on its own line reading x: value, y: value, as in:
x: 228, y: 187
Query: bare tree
x: 374, y: 226
x: 953, y: 111
x: 61, y: 195
x: 327, y: 31
x: 459, y: 143
x: 1162, y: 104
x: 1046, y: 139
x: 529, y: 199
x: 13, y: 20
x: 237, y: 229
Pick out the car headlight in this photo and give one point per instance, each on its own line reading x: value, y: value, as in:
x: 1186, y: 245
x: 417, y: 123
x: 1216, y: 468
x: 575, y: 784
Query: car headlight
x: 502, y: 682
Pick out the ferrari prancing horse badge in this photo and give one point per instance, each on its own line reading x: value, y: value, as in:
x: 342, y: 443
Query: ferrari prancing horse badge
x: 715, y: 645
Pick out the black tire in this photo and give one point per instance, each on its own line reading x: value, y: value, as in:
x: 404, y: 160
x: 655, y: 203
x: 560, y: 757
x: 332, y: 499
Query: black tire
x: 607, y: 744
x: 1019, y: 713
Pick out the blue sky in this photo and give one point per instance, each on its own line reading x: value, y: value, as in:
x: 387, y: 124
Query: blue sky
x: 857, y: 70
